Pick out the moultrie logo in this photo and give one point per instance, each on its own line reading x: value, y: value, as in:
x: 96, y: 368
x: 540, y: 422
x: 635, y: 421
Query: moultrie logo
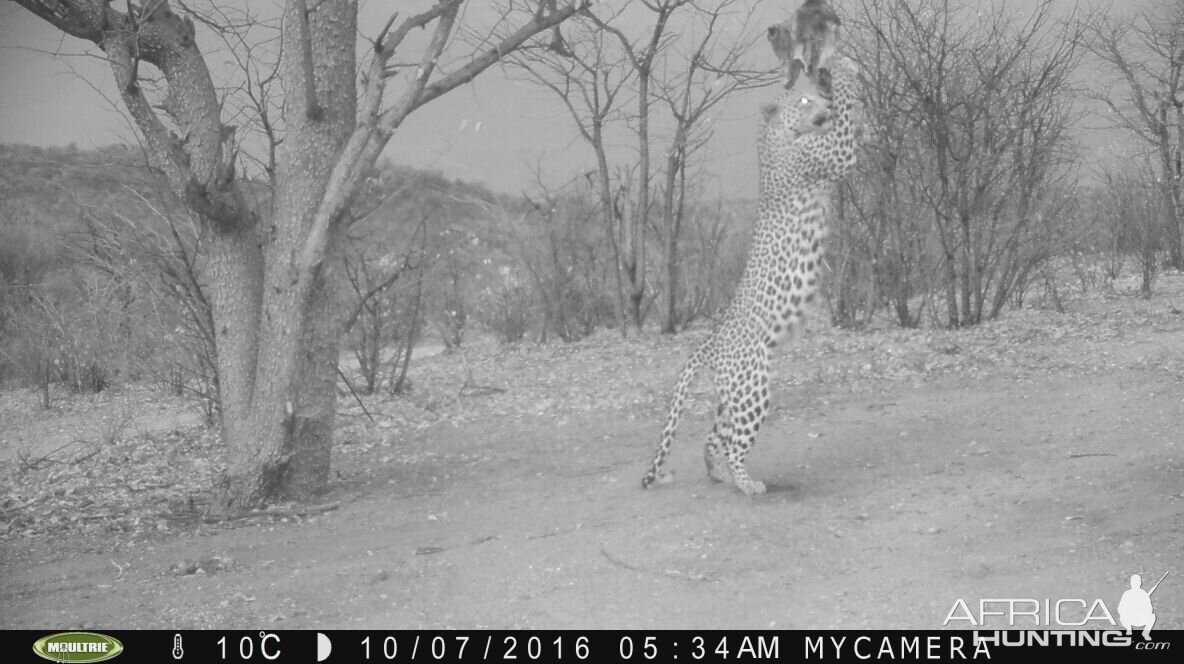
x: 77, y: 647
x: 1135, y: 610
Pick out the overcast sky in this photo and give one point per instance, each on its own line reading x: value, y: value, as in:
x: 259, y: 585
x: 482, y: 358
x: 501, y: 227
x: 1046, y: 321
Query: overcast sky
x: 497, y: 131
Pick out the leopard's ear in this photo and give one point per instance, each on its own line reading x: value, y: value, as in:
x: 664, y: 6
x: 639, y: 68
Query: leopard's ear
x: 769, y: 110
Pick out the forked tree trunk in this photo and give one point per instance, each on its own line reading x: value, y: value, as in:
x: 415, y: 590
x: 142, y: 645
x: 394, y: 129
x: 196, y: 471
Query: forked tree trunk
x: 293, y: 403
x: 273, y: 278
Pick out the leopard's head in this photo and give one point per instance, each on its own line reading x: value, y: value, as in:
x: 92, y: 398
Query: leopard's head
x: 799, y: 112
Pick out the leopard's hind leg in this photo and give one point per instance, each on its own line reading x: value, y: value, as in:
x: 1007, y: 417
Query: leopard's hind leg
x: 718, y: 440
x: 748, y: 402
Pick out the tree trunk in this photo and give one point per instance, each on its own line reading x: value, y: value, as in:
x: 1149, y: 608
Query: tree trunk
x: 310, y: 427
x: 967, y: 316
x: 952, y: 291
x: 1175, y: 179
x: 632, y: 232
x: 235, y: 273
x: 398, y: 382
x: 292, y: 410
x: 672, y: 218
x: 641, y: 212
x: 610, y: 215
x: 273, y: 277
x: 1170, y: 190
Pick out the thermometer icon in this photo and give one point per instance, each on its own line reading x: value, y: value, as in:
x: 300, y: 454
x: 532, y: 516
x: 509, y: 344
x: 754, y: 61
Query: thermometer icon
x: 177, y: 652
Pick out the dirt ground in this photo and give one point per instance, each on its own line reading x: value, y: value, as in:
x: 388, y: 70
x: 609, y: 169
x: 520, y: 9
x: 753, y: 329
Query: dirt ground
x: 1048, y: 464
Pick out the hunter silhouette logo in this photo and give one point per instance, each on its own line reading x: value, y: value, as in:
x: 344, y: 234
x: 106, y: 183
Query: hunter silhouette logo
x: 1135, y: 610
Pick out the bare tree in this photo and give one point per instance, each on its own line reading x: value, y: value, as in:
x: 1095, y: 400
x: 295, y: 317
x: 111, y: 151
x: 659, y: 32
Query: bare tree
x: 591, y: 78
x: 373, y: 318
x: 695, y: 80
x: 589, y: 73
x: 642, y: 55
x: 630, y: 56
x: 1142, y: 91
x: 273, y: 272
x: 1131, y: 204
x: 971, y: 112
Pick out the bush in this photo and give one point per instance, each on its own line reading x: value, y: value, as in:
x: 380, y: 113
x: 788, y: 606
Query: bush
x: 508, y: 313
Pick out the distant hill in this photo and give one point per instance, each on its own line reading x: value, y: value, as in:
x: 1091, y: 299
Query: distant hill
x: 50, y: 188
x: 62, y: 180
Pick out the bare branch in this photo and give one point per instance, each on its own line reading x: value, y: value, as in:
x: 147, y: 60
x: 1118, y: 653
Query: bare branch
x: 312, y: 109
x: 540, y: 23
x: 431, y: 55
x: 77, y: 18
x: 375, y: 129
x: 192, y: 162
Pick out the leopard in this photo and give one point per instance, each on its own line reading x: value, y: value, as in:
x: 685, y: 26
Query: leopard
x: 807, y: 144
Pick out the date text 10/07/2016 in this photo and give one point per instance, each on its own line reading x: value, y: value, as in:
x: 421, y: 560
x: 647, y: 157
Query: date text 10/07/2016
x: 571, y: 646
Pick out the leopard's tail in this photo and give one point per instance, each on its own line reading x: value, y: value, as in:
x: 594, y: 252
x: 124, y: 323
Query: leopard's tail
x: 678, y: 404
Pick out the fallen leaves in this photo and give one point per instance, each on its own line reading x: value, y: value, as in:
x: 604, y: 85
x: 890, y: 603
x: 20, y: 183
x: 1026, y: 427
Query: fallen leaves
x: 125, y: 487
x: 633, y: 377
x: 93, y: 476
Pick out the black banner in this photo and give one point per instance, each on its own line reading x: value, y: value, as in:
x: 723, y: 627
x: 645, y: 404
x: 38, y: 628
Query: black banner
x: 357, y: 646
